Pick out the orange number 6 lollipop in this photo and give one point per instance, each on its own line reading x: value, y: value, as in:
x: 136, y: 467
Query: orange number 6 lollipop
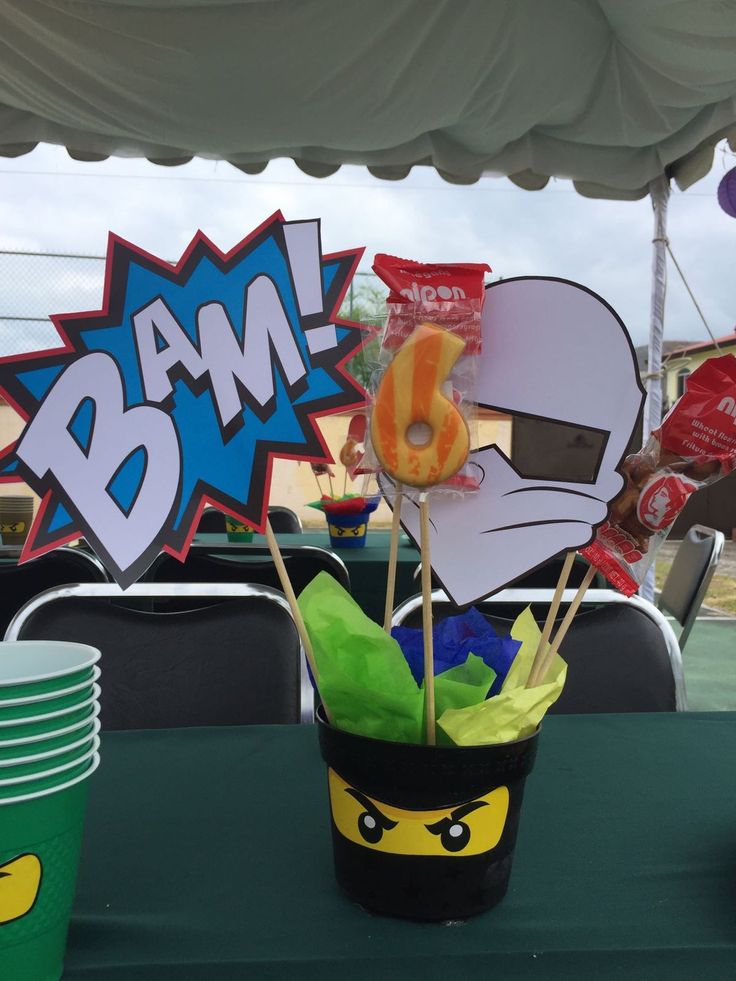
x: 409, y: 394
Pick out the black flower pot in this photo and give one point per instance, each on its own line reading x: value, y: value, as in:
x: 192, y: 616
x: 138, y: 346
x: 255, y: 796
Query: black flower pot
x: 423, y: 832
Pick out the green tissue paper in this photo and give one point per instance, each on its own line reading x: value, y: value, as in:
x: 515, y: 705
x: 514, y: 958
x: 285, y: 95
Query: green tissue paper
x: 362, y: 676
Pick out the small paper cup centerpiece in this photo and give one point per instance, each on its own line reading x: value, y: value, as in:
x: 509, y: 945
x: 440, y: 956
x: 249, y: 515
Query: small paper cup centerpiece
x: 238, y: 531
x: 347, y: 518
x: 16, y: 518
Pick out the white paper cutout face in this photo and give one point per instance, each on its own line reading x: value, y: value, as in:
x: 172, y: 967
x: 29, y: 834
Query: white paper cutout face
x: 555, y: 351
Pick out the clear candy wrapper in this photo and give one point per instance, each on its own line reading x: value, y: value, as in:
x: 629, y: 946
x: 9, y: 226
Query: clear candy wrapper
x: 433, y: 331
x: 694, y: 446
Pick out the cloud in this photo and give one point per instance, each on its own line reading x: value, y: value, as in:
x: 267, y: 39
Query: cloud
x: 605, y: 245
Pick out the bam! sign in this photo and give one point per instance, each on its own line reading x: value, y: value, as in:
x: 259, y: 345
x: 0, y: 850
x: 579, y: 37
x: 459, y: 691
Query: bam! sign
x: 181, y: 390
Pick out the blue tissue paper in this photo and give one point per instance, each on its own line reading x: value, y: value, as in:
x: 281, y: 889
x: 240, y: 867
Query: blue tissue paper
x: 455, y: 638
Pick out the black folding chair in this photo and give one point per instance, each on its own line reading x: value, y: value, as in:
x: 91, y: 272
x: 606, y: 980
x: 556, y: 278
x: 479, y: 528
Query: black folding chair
x: 237, y: 662
x: 18, y: 583
x: 211, y: 521
x: 621, y: 653
x: 284, y: 520
x: 233, y: 563
x: 690, y: 575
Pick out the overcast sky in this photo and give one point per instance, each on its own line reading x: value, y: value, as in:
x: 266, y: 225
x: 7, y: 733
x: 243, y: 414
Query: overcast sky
x: 50, y: 203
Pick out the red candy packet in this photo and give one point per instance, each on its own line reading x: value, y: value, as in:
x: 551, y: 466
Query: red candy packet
x: 449, y: 295
x: 694, y: 446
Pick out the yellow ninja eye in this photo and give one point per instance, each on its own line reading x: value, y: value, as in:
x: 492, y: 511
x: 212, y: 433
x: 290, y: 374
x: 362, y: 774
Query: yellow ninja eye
x: 371, y: 823
x: 469, y: 828
x: 453, y: 833
x: 20, y: 881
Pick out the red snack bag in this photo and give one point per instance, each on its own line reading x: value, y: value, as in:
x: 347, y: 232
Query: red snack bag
x: 694, y: 446
x: 449, y: 295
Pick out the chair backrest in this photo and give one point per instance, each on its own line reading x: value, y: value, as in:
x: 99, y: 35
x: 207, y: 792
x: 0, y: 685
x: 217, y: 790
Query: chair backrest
x: 284, y: 520
x: 621, y: 653
x: 231, y: 563
x: 234, y: 663
x: 18, y: 583
x: 211, y: 521
x: 690, y: 575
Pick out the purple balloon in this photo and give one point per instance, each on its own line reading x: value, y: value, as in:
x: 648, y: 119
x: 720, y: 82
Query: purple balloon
x: 727, y: 193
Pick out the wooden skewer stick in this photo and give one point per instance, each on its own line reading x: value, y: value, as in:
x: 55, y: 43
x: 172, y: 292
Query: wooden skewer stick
x: 551, y: 616
x: 345, y: 483
x: 429, y: 708
x: 319, y: 486
x: 393, y: 554
x: 332, y: 489
x: 288, y: 590
x: 565, y: 625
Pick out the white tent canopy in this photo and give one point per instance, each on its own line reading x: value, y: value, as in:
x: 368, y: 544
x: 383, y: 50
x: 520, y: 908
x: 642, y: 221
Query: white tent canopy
x: 609, y: 93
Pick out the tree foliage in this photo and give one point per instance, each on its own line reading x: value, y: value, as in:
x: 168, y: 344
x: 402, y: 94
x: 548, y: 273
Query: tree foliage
x: 366, y: 305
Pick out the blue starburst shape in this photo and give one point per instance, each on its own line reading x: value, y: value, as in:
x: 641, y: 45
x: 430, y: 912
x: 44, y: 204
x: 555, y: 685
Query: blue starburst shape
x: 182, y: 390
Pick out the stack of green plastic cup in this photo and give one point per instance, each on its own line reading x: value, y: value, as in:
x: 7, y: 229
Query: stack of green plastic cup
x: 49, y: 742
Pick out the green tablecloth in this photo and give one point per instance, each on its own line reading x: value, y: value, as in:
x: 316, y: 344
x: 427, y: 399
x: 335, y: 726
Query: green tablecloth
x: 207, y: 858
x: 367, y: 566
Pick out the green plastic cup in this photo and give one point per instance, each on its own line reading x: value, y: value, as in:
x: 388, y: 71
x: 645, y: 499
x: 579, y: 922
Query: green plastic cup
x: 47, y: 725
x: 52, y: 737
x: 34, y: 783
x: 47, y: 749
x: 43, y: 708
x: 40, y: 842
x: 48, y: 764
x: 77, y: 682
x: 31, y: 667
x: 51, y: 708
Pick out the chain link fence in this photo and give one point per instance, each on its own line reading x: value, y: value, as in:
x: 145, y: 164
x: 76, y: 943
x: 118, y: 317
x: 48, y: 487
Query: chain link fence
x: 34, y: 285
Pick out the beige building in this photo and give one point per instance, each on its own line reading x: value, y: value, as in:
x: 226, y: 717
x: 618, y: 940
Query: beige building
x: 682, y: 361
x: 11, y: 425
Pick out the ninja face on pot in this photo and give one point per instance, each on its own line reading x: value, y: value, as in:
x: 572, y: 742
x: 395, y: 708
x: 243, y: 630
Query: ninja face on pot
x: 467, y: 828
x: 556, y: 355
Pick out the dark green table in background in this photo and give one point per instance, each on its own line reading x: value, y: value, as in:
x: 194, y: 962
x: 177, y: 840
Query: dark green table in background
x: 367, y: 566
x: 207, y: 858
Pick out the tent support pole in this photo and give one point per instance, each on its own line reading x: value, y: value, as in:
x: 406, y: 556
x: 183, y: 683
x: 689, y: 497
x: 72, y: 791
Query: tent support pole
x: 659, y: 191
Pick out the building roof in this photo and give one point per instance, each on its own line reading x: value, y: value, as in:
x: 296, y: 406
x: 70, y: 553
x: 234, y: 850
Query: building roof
x: 668, y: 347
x: 697, y: 346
